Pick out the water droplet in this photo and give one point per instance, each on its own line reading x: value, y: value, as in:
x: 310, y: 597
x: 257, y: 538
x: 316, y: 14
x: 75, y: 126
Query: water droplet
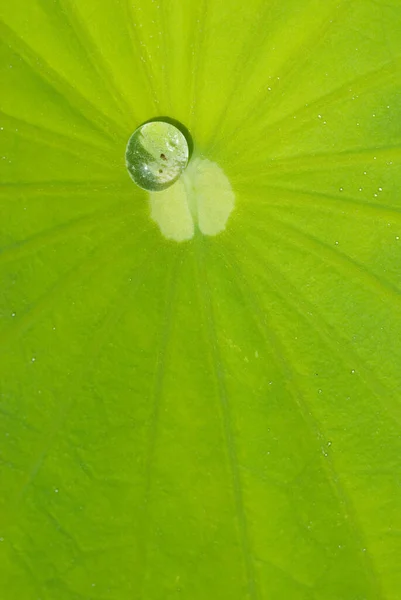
x: 156, y: 155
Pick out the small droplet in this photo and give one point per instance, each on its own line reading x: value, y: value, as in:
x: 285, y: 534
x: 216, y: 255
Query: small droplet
x: 33, y: 359
x: 156, y: 155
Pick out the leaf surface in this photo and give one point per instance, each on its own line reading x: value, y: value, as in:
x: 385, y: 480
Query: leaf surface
x: 218, y: 418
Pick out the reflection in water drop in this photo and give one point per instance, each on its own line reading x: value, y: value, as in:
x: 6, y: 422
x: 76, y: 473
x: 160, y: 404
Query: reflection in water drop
x: 156, y: 155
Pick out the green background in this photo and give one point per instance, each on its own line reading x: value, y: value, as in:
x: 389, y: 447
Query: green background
x: 218, y: 418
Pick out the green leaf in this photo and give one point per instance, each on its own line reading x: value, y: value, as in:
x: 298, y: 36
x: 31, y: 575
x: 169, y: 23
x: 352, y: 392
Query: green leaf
x: 218, y: 418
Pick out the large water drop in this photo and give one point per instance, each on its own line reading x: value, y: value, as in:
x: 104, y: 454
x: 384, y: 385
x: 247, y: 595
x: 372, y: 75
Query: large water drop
x: 156, y: 155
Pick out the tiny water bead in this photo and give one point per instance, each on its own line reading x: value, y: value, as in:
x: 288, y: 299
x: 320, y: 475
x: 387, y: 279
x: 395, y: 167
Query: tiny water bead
x: 157, y: 153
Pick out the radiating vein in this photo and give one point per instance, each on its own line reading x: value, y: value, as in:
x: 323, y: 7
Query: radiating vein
x: 203, y: 285
x: 342, y: 262
x: 96, y: 58
x: 323, y: 202
x: 22, y: 559
x: 55, y: 234
x: 165, y: 84
x: 287, y: 575
x: 305, y: 115
x: 244, y: 64
x: 99, y: 256
x: 138, y: 47
x: 291, y: 70
x: 275, y: 280
x: 66, y: 92
x: 311, y: 163
x: 197, y: 56
x: 157, y: 393
x: 72, y: 189
x: 95, y: 345
x: 279, y: 356
x: 92, y: 153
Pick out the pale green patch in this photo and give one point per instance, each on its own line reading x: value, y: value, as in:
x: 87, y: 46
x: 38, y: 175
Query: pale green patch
x: 202, y: 198
x: 170, y: 210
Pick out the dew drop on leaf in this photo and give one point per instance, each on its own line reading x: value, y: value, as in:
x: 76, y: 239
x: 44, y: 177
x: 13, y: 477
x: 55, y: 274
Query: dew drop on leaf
x: 156, y: 155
